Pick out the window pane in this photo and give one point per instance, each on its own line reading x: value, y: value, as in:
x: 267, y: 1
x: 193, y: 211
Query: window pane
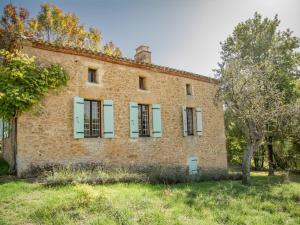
x: 144, y: 120
x: 188, y: 89
x: 87, y: 118
x: 95, y: 118
x: 189, y: 116
x: 91, y: 118
x: 142, y: 83
x: 92, y: 76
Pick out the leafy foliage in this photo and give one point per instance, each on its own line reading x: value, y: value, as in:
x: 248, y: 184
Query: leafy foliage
x: 53, y: 25
x: 12, y: 26
x: 258, y: 73
x: 235, y: 139
x: 23, y: 83
x: 111, y: 49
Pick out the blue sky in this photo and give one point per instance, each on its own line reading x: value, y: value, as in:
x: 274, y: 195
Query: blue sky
x: 184, y: 34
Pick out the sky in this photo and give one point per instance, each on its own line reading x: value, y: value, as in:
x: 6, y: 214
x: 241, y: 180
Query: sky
x: 183, y: 34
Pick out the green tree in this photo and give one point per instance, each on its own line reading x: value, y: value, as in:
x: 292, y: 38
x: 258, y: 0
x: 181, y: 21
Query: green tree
x: 256, y: 46
x: 253, y: 100
x: 13, y: 25
x: 52, y: 24
x: 235, y: 139
x: 111, y: 49
x: 22, y: 85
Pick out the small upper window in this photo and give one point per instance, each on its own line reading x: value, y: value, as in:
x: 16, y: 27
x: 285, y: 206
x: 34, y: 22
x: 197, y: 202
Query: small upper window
x: 188, y: 89
x: 92, y: 76
x: 142, y: 85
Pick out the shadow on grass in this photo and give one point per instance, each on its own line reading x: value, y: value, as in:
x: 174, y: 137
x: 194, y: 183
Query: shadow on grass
x: 220, y: 193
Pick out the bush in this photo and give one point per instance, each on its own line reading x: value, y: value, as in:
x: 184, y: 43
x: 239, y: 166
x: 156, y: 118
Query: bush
x: 97, y: 176
x: 4, y: 167
x: 101, y: 175
x: 167, y: 175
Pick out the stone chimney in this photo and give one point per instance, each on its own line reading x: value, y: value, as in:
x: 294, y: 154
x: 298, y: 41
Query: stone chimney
x: 143, y: 54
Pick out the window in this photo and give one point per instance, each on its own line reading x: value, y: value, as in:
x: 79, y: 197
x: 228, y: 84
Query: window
x: 189, y: 118
x: 142, y: 85
x: 143, y: 118
x: 92, y: 76
x: 188, y: 89
x: 91, y: 118
x: 5, y: 127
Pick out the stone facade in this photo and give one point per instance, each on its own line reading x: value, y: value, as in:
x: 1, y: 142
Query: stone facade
x: 47, y: 137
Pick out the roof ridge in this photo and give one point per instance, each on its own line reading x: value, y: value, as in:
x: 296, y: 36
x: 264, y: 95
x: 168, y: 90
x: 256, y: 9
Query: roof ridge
x: 38, y: 43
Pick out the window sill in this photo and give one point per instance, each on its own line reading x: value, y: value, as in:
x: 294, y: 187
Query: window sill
x: 143, y: 90
x: 92, y: 137
x: 92, y: 84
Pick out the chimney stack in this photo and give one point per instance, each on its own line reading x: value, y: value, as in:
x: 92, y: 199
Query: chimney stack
x: 143, y: 54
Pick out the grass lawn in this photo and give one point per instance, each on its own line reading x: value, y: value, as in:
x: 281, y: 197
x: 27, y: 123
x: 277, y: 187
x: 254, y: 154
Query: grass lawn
x: 270, y: 200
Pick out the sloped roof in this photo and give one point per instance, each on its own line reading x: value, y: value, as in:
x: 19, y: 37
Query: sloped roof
x: 118, y: 60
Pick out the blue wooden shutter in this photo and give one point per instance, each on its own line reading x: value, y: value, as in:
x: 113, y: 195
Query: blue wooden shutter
x: 184, y: 121
x: 156, y: 116
x: 193, y: 165
x: 108, y: 107
x: 199, y: 121
x: 134, y: 126
x: 78, y: 117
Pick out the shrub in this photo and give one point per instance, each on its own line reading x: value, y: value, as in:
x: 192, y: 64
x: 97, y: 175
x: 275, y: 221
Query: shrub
x: 4, y: 167
x: 98, y: 174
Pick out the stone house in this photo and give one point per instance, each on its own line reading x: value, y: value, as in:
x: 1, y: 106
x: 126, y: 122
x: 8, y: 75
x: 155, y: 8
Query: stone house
x: 120, y: 112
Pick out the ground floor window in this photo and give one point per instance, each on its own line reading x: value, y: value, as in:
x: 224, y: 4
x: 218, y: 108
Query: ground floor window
x: 91, y: 118
x: 189, y: 118
x: 143, y: 117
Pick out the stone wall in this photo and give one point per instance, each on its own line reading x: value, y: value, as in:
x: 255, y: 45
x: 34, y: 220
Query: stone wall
x: 47, y: 137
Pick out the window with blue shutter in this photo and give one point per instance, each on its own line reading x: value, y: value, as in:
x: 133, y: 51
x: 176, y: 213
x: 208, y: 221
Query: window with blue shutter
x: 193, y: 165
x: 108, y: 119
x: 156, y: 116
x: 78, y: 117
x: 199, y: 121
x: 134, y: 126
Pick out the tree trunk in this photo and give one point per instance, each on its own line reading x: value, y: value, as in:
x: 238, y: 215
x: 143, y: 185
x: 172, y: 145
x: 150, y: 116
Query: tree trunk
x: 253, y: 140
x: 247, y: 163
x: 270, y: 155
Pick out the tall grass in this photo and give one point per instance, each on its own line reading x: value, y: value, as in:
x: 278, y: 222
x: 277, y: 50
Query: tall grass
x: 269, y: 200
x: 155, y: 175
x: 96, y: 176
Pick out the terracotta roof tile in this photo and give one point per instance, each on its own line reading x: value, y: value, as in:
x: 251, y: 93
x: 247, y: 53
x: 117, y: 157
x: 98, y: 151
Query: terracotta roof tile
x: 113, y: 59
